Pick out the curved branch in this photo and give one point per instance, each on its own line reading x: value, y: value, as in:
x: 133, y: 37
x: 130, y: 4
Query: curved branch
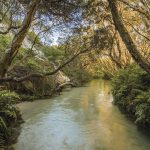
x: 9, y: 28
x: 137, y: 30
x: 42, y: 75
x: 145, y: 13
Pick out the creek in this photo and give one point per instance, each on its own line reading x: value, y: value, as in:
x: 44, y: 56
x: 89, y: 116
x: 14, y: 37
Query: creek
x: 82, y: 118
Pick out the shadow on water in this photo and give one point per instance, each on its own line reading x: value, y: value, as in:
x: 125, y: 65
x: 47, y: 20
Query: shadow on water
x: 81, y: 119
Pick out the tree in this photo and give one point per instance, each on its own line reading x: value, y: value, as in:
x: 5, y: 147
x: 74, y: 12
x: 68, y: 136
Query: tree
x: 18, y: 38
x: 36, y: 8
x: 132, y: 48
x: 114, y: 15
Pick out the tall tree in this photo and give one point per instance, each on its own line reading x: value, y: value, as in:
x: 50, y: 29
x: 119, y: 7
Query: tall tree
x: 132, y: 48
x: 44, y: 9
x: 18, y: 38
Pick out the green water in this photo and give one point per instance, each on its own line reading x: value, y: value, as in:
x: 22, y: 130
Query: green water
x: 80, y: 119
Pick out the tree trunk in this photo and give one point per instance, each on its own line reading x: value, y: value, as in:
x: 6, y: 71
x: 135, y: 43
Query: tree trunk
x: 18, y: 38
x: 126, y: 37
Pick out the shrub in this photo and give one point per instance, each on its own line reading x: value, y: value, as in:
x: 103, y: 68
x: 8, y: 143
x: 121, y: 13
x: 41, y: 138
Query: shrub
x: 131, y: 91
x: 9, y: 115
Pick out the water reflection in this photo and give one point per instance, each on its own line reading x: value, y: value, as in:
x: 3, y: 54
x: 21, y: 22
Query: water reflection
x: 81, y: 119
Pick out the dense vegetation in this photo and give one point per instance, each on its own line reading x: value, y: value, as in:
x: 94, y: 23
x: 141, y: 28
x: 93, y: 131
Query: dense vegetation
x: 95, y: 38
x: 10, y: 118
x: 131, y: 91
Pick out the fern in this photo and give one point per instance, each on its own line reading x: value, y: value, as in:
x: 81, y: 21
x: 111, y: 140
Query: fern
x: 2, y: 141
x: 3, y: 132
x: 8, y: 115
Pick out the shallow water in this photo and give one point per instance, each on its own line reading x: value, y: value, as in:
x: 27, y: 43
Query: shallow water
x: 81, y: 119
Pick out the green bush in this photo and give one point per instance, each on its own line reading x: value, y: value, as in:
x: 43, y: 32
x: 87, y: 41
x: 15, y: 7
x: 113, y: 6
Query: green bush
x: 77, y: 73
x: 131, y: 91
x: 9, y: 115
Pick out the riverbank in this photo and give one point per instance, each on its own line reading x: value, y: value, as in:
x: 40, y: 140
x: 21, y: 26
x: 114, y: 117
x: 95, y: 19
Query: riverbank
x: 11, y: 118
x: 131, y: 92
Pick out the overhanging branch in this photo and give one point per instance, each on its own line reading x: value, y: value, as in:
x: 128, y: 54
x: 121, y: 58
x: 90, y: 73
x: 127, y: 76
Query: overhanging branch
x: 42, y: 75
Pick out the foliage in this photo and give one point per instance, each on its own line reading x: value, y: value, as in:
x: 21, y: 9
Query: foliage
x: 9, y: 115
x: 77, y: 73
x: 8, y: 97
x: 53, y: 52
x: 5, y: 40
x: 131, y: 91
x: 33, y: 37
x: 75, y: 70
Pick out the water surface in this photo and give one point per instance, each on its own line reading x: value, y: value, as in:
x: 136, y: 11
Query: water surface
x: 81, y: 119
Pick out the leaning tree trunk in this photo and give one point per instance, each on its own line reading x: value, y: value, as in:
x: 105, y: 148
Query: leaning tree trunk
x: 132, y: 48
x: 18, y: 38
